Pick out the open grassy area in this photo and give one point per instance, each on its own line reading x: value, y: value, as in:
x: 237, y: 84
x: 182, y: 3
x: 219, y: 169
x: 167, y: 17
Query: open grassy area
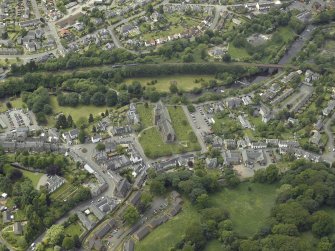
x: 154, y: 146
x: 16, y: 103
x: 76, y: 112
x: 34, y: 177
x: 171, y: 232
x: 152, y: 141
x: 184, y: 82
x: 146, y: 114
x: 238, y: 53
x: 248, y: 210
x: 74, y: 229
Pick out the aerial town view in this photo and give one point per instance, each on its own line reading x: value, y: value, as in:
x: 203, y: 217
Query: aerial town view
x: 167, y: 125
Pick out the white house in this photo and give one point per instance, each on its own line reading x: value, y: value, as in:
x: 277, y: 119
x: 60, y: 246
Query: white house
x: 96, y: 138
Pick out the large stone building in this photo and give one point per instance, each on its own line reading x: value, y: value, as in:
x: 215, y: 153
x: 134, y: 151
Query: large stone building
x: 164, y: 124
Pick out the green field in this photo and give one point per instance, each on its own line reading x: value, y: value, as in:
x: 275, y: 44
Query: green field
x: 146, y: 114
x: 34, y: 177
x: 248, y: 210
x: 238, y: 53
x: 74, y: 229
x: 76, y: 112
x: 152, y: 141
x: 16, y: 103
x: 154, y: 146
x: 184, y: 82
x: 167, y: 235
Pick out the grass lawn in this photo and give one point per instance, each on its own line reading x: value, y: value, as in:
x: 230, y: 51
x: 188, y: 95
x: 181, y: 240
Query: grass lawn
x: 167, y: 235
x: 34, y: 177
x: 184, y: 82
x: 146, y: 115
x: 16, y: 103
x: 248, y: 210
x: 238, y: 53
x: 152, y: 141
x: 153, y: 144
x: 74, y: 229
x: 76, y: 112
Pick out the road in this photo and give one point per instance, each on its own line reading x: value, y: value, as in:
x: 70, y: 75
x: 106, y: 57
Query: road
x: 329, y: 154
x: 53, y: 32
x: 78, y: 155
x: 35, y: 8
x: 26, y: 58
x: 216, y: 18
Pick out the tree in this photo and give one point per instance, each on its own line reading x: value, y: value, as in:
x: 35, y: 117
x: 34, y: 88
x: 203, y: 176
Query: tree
x: 173, y: 88
x: 268, y: 175
x: 195, y: 235
x: 54, y: 234
x: 3, y: 248
x: 76, y: 241
x: 226, y: 58
x: 325, y: 245
x: 286, y: 229
x: 98, y: 99
x: 82, y: 136
x: 100, y: 147
x: 69, y: 121
x: 9, y: 105
x: 292, y: 213
x: 68, y: 243
x: 323, y: 223
x: 47, y: 109
x: 111, y: 99
x: 146, y: 199
x: 90, y: 118
x: 202, y: 200
x: 61, y: 122
x: 149, y: 9
x: 14, y: 174
x: 191, y: 108
x: 131, y: 215
x: 157, y: 187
